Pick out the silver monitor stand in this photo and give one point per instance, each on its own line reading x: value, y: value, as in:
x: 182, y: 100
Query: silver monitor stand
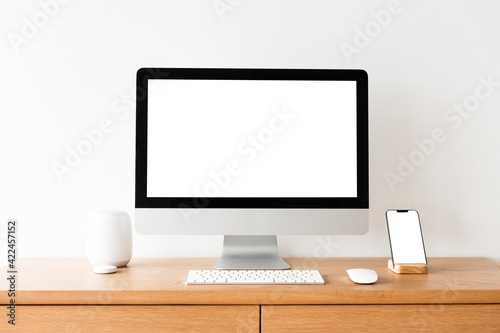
x: 250, y: 252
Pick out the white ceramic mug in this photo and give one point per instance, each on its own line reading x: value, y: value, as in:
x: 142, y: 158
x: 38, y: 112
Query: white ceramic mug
x: 109, y: 238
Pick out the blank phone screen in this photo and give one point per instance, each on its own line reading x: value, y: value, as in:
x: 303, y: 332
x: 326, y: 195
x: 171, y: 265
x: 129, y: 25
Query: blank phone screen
x: 405, y: 234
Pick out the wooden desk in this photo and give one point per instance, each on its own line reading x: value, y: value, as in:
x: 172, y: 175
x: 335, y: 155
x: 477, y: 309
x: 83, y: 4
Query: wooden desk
x: 63, y: 295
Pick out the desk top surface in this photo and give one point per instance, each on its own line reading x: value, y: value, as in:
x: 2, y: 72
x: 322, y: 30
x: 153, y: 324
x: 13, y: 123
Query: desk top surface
x: 161, y: 281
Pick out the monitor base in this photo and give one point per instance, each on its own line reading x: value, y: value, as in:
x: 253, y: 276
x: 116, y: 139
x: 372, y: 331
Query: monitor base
x: 250, y: 252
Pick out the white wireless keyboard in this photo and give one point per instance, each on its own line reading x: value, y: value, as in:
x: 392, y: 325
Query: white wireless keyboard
x: 254, y: 277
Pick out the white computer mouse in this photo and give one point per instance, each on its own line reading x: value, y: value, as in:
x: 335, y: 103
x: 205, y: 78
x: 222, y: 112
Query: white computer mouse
x: 362, y: 275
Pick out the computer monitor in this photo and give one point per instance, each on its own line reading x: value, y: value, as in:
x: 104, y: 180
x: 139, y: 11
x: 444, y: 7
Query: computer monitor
x: 251, y: 154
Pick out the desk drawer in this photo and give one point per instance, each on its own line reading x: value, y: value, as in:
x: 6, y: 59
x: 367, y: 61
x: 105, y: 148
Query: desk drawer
x: 140, y: 318
x: 382, y: 318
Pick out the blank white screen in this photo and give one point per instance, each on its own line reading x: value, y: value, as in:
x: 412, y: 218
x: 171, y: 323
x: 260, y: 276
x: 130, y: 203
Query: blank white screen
x: 406, y: 237
x: 251, y: 138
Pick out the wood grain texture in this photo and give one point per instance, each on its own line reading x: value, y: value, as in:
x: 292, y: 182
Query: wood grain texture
x: 408, y: 268
x: 63, y: 295
x: 91, y: 318
x: 161, y: 281
x: 381, y: 318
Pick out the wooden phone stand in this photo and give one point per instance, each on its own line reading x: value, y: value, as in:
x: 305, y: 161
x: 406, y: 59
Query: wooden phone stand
x: 408, y: 268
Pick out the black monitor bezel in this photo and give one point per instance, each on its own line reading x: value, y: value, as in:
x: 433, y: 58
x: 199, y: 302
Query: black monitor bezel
x: 361, y: 78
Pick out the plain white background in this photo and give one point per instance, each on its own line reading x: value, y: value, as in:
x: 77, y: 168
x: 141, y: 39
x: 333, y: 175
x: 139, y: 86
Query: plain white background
x: 75, y: 72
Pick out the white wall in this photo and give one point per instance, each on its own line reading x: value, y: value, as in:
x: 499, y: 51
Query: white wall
x: 78, y: 67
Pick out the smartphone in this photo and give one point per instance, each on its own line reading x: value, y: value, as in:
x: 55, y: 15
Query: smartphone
x: 405, y: 237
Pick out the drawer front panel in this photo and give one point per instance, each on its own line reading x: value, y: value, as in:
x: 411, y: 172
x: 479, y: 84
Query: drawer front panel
x: 128, y: 318
x: 382, y: 318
